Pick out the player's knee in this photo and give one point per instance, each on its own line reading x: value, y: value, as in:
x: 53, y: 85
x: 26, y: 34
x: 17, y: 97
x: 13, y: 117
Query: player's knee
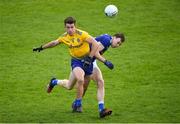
x: 80, y: 80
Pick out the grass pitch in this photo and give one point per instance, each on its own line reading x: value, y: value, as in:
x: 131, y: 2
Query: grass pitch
x: 143, y: 87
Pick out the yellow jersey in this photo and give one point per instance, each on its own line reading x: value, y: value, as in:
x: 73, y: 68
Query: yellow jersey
x: 78, y: 46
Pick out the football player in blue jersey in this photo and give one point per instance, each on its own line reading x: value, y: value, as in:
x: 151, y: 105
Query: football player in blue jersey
x: 104, y: 42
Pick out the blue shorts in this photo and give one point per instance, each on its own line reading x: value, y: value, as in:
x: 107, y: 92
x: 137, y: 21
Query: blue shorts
x: 79, y: 63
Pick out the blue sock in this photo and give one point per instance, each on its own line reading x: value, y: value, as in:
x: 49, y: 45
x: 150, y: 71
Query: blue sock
x: 54, y: 82
x: 78, y: 102
x: 101, y: 106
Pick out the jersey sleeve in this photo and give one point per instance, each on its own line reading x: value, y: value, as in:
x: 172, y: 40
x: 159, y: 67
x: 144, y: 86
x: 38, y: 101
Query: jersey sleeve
x: 60, y: 39
x: 85, y: 35
x: 104, y: 40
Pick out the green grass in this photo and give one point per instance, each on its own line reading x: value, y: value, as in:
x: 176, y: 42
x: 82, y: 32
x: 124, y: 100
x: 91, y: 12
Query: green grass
x: 143, y: 87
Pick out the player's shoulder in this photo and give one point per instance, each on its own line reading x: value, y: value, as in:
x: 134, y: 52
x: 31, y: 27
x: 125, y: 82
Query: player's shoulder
x: 104, y: 36
x: 64, y: 34
x: 81, y: 32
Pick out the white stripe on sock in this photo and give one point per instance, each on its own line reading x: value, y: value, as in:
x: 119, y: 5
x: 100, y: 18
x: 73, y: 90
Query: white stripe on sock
x: 58, y: 81
x: 101, y: 102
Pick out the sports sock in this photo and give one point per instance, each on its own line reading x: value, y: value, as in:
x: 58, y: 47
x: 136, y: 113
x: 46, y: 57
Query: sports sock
x: 54, y: 82
x: 101, y: 106
x: 59, y: 81
x: 78, y: 102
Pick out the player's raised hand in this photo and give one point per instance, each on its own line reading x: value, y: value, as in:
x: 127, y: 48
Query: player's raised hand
x: 37, y: 49
x: 109, y: 64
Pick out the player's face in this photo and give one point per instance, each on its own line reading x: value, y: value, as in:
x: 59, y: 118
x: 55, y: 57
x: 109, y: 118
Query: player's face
x: 116, y: 42
x: 70, y: 28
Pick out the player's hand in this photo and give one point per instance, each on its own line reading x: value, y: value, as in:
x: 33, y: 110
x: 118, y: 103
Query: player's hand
x: 109, y: 64
x: 87, y: 62
x: 38, y: 49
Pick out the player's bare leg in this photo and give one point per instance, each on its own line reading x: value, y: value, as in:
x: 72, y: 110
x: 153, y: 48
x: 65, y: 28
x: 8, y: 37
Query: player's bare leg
x: 68, y: 84
x: 79, y: 75
x: 98, y: 78
x: 86, y: 83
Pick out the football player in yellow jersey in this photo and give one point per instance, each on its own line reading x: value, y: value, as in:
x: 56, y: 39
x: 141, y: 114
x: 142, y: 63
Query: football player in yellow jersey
x: 78, y: 42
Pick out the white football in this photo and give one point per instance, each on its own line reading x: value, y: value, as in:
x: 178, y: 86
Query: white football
x: 111, y: 10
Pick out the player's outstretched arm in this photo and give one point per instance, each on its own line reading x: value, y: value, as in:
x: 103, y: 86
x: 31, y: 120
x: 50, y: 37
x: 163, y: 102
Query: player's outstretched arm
x: 101, y: 58
x: 45, y: 46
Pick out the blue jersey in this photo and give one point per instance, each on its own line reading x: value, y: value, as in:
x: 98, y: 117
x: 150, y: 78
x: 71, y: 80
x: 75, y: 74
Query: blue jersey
x: 105, y: 40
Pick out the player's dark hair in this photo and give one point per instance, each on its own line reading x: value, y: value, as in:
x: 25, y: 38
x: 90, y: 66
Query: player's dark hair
x: 69, y: 20
x: 120, y: 35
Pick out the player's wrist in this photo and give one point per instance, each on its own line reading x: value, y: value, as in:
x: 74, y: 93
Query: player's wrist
x: 38, y: 49
x: 109, y: 64
x: 41, y: 47
x: 105, y: 61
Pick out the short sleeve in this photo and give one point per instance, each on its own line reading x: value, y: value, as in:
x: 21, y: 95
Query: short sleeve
x: 60, y: 39
x: 85, y: 35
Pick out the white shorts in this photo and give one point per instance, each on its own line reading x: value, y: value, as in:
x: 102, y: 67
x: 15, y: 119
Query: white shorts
x: 95, y: 64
